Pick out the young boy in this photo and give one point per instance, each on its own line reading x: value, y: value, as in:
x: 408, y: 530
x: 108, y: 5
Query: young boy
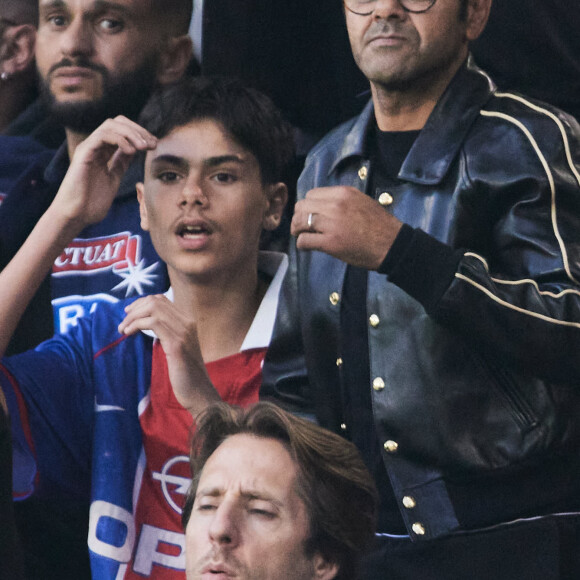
x: 104, y: 412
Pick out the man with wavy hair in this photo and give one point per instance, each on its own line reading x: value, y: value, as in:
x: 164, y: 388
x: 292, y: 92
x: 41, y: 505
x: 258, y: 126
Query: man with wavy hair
x: 275, y: 496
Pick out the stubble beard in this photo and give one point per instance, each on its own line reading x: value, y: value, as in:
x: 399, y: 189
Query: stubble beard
x: 416, y: 73
x: 124, y: 95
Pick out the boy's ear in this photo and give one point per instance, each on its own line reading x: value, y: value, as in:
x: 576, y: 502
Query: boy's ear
x: 175, y: 58
x: 324, y: 569
x: 18, y: 48
x: 277, y: 196
x: 142, y: 207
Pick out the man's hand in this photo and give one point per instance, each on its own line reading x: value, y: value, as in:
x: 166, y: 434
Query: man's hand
x: 344, y: 223
x: 96, y: 169
x: 178, y: 336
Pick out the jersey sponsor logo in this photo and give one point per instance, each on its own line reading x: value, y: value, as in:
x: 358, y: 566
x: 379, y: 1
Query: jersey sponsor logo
x: 112, y: 535
x: 161, y: 547
x: 173, y: 484
x: 111, y: 531
x: 69, y: 309
x: 90, y: 255
x: 119, y: 254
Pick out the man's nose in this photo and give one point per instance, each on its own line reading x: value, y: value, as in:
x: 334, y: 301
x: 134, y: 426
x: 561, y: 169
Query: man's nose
x: 225, y: 526
x: 388, y: 8
x: 77, y: 39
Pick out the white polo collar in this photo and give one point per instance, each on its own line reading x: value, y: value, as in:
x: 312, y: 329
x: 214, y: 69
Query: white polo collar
x: 273, y: 264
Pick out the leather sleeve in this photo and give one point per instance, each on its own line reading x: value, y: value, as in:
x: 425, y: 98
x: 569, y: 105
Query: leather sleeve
x: 516, y: 295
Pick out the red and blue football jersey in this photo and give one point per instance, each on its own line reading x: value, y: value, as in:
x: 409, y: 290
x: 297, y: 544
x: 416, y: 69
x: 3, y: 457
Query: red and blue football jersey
x: 94, y: 416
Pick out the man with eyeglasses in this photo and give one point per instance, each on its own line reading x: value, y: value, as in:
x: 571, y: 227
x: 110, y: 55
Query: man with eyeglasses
x: 431, y: 313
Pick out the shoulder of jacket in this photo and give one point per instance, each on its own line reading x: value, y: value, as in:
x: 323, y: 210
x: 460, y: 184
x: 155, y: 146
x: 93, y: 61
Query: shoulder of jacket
x: 515, y: 123
x: 332, y: 142
x: 535, y: 116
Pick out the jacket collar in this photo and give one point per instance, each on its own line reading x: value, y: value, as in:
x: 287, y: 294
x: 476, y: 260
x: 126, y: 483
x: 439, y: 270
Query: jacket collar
x: 442, y: 136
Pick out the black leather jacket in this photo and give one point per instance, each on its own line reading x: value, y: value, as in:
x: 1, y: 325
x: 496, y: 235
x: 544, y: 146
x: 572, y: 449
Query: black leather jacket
x: 474, y: 336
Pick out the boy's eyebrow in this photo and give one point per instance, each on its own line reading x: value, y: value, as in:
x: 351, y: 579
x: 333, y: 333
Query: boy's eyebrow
x: 167, y: 159
x: 210, y: 162
x: 220, y: 159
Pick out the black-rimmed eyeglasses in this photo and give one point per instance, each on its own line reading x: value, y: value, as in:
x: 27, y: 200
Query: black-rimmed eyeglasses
x: 367, y: 7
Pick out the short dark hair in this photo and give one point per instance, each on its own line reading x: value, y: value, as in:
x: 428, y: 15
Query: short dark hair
x: 249, y: 116
x: 333, y: 482
x: 20, y: 11
x: 174, y: 14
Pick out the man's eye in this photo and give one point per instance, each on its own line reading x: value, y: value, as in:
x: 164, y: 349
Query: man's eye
x: 111, y: 25
x: 262, y: 513
x: 206, y: 507
x: 56, y: 21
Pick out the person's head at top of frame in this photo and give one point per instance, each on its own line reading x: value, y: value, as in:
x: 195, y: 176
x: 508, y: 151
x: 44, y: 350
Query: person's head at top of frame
x: 275, y: 496
x: 214, y: 181
x: 101, y: 58
x: 411, y: 49
x: 18, y: 19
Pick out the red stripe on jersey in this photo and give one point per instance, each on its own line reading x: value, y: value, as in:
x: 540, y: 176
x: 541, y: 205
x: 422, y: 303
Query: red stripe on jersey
x: 167, y: 427
x: 110, y: 346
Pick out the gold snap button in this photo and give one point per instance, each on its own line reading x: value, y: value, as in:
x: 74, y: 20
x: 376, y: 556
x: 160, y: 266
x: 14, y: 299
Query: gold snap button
x: 391, y: 446
x: 334, y: 298
x: 418, y: 528
x: 363, y: 172
x: 374, y: 320
x: 378, y: 384
x: 385, y: 199
x: 409, y: 502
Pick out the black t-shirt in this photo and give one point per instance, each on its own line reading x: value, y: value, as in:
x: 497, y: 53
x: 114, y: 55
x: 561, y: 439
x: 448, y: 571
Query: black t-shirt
x: 390, y: 150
